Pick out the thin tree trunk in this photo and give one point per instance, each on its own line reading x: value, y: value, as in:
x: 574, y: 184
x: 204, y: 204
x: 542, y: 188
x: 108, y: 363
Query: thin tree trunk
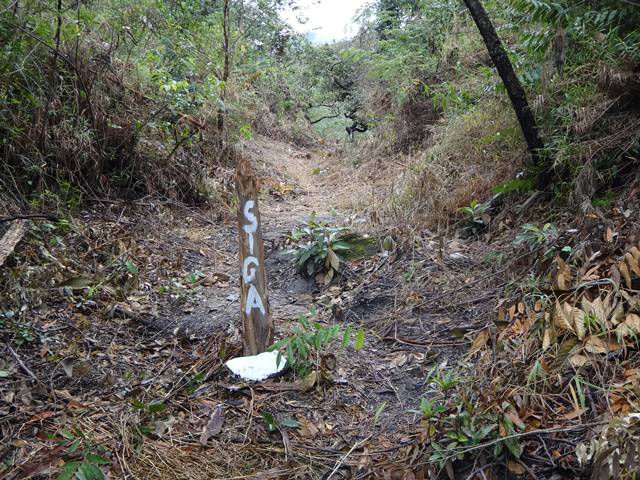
x: 53, y: 77
x: 226, y: 69
x: 512, y: 84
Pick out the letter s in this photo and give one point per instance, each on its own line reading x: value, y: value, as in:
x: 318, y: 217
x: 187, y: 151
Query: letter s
x: 248, y: 214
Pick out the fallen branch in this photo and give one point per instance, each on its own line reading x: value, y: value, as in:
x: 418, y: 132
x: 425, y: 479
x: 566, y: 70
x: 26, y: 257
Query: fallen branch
x: 24, y: 368
x: 11, y: 238
x: 27, y: 216
x: 318, y: 120
x: 344, y: 457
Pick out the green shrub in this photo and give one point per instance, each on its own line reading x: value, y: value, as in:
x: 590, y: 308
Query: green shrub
x: 310, y: 341
x: 322, y: 250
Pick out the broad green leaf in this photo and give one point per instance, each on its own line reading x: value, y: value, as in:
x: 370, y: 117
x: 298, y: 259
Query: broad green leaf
x: 340, y: 245
x: 74, y: 446
x: 93, y: 458
x: 332, y: 332
x: 132, y: 267
x: 270, y: 421
x: 278, y: 344
x: 306, y: 255
x: 290, y: 357
x: 304, y: 351
x: 88, y: 471
x: 68, y: 470
x: 155, y: 407
x: 514, y: 446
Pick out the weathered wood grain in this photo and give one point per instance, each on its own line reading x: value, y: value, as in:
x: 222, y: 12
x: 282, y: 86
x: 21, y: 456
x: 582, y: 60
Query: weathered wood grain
x: 256, y: 318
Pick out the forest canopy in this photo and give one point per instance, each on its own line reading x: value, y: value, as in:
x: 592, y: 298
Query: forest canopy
x: 107, y: 89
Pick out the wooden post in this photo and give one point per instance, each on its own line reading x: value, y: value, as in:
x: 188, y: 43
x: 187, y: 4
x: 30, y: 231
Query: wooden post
x: 256, y: 318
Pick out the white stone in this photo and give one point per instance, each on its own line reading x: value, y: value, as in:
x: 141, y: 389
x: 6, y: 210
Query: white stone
x: 257, y: 367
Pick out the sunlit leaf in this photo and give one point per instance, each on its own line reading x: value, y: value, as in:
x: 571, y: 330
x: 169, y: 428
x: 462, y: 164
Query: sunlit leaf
x: 359, y: 340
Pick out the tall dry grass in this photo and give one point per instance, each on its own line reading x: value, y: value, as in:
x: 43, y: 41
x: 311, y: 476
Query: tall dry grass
x: 467, y: 156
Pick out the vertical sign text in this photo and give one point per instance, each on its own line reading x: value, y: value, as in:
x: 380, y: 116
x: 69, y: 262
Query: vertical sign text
x: 254, y: 304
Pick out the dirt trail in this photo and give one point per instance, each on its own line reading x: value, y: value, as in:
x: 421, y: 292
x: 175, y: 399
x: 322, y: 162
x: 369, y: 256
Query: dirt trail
x: 294, y: 184
x: 133, y: 310
x: 317, y: 177
x: 371, y: 405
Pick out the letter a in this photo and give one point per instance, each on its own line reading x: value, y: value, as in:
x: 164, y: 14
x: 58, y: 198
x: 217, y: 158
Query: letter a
x: 253, y: 301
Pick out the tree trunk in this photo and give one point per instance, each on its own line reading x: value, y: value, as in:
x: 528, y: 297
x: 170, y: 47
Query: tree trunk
x: 512, y: 84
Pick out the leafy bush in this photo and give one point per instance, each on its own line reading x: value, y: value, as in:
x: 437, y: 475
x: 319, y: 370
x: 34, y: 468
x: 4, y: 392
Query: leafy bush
x: 81, y: 460
x: 477, y: 217
x: 125, y: 97
x: 21, y: 331
x: 304, y: 350
x: 536, y: 237
x: 458, y: 429
x: 429, y: 409
x: 616, y: 19
x: 322, y: 250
